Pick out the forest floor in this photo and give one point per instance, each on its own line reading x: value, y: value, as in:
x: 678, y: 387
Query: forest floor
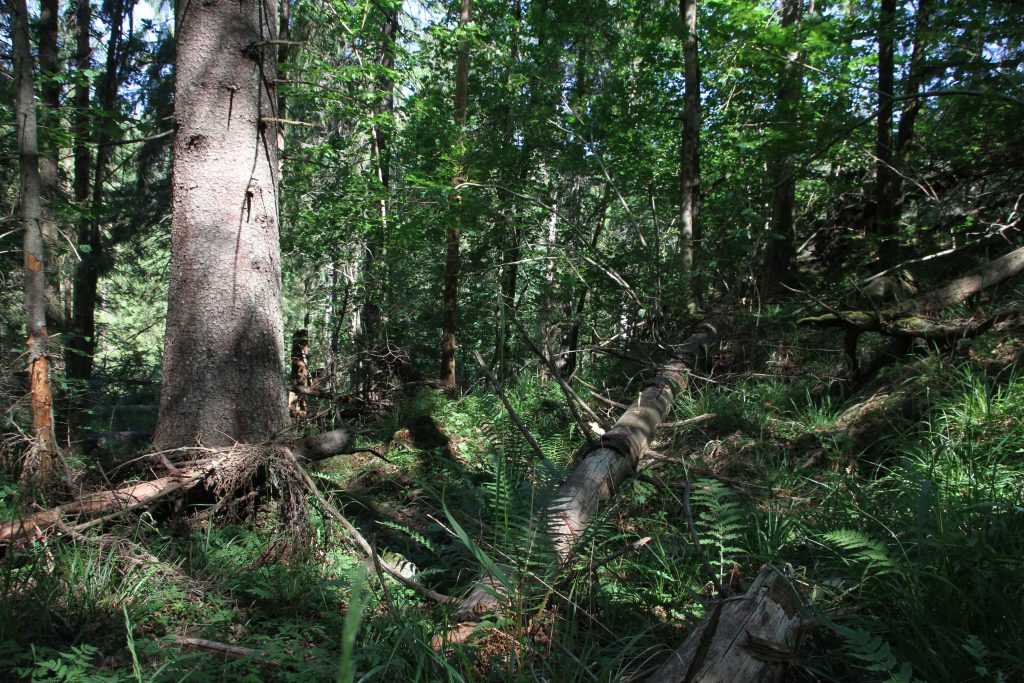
x: 898, y: 503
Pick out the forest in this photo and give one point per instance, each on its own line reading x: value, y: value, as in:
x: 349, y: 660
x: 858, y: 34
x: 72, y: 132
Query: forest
x: 512, y: 340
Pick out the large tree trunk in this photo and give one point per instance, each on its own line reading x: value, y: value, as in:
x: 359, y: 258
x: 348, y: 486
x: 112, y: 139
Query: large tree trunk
x: 39, y: 464
x: 689, y: 168
x: 224, y: 349
x: 614, y: 460
x: 780, y: 249
x: 886, y: 210
x: 452, y: 260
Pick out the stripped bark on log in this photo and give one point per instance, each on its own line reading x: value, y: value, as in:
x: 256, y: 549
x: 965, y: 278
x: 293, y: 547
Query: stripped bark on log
x: 614, y: 460
x: 747, y: 638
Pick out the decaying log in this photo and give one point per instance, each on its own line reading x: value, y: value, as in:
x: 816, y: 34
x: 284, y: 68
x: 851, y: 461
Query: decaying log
x: 908, y: 320
x: 751, y: 637
x: 614, y: 460
x: 113, y: 503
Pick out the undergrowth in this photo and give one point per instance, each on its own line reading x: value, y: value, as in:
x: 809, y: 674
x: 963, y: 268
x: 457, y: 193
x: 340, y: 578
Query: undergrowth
x: 911, y: 546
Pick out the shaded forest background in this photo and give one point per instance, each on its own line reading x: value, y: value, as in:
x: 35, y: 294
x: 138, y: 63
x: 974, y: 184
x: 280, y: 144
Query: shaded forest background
x: 497, y: 221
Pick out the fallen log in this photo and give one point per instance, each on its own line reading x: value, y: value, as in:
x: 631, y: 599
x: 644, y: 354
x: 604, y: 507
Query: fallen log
x: 113, y: 503
x: 908, y: 320
x: 751, y: 637
x: 608, y: 464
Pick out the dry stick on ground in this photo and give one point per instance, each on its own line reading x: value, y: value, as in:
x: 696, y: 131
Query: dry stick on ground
x: 573, y: 400
x: 233, y: 651
x: 363, y: 544
x: 601, y: 472
x: 511, y: 411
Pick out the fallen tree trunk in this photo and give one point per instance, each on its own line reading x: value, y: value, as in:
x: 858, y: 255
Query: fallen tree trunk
x: 909, y: 320
x: 100, y: 504
x: 751, y: 637
x: 610, y: 463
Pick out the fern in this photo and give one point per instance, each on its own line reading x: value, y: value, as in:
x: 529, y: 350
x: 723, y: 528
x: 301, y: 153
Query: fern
x: 721, y: 524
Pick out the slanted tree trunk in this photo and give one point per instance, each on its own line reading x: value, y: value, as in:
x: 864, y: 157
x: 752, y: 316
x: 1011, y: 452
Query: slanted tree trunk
x: 224, y: 347
x: 39, y: 463
x: 886, y: 210
x: 689, y: 167
x: 604, y: 468
x: 452, y: 260
x: 780, y: 248
x: 750, y: 638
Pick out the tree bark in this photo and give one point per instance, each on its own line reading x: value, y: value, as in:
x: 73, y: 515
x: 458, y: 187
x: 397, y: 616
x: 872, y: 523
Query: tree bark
x: 886, y: 209
x: 49, y: 67
x: 452, y: 258
x: 224, y: 347
x: 39, y: 464
x: 750, y: 638
x: 780, y: 249
x: 689, y: 168
x: 300, y: 374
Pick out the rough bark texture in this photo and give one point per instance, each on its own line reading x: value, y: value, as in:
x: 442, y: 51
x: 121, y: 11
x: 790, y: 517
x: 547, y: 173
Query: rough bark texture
x: 452, y: 259
x: 689, y: 176
x: 49, y: 67
x: 886, y: 179
x: 614, y: 460
x: 748, y: 638
x: 39, y: 462
x: 780, y: 249
x: 224, y: 350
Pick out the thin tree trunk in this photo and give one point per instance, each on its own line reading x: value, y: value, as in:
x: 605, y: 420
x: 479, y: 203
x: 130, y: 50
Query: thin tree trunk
x: 886, y: 210
x: 80, y: 344
x: 39, y: 464
x: 452, y: 260
x: 374, y: 281
x: 689, y: 169
x: 780, y: 249
x: 83, y: 342
x: 224, y: 347
x: 49, y: 66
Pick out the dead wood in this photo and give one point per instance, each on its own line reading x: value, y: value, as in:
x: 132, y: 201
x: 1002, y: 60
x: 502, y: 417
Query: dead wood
x: 909, y: 319
x: 751, y: 637
x: 610, y: 463
x: 220, y: 474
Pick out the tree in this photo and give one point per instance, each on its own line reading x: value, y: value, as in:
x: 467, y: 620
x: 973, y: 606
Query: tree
x: 689, y: 167
x: 39, y: 465
x: 224, y: 351
x: 449, y: 324
x: 886, y: 213
x: 780, y: 248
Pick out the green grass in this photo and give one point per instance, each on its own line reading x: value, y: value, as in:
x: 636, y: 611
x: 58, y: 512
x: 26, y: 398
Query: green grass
x: 913, y: 549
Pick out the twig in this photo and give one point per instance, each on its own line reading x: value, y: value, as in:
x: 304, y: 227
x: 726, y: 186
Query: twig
x: 361, y: 541
x: 234, y: 651
x: 511, y: 411
x: 688, y: 421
